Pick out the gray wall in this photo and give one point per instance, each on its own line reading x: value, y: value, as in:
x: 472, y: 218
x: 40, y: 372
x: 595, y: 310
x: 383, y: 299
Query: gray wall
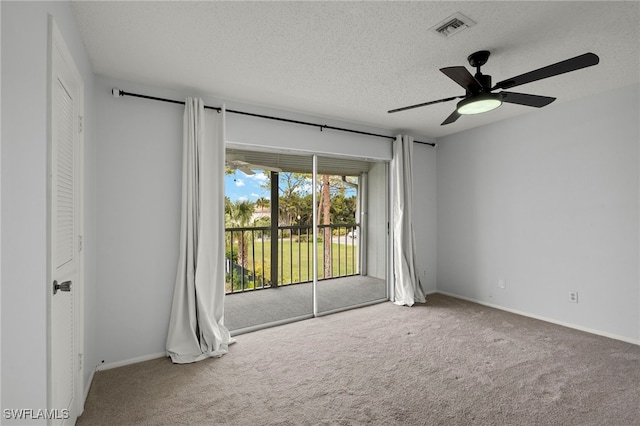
x: 24, y: 198
x: 547, y: 202
x: 139, y: 180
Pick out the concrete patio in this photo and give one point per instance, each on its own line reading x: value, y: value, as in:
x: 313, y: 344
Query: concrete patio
x: 249, y: 310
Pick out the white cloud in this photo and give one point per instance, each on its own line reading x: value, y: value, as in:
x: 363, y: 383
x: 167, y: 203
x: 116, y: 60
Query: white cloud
x: 242, y: 198
x: 254, y: 195
x: 239, y: 182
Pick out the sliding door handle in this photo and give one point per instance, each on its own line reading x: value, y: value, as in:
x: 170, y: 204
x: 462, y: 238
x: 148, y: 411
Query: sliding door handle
x: 65, y: 286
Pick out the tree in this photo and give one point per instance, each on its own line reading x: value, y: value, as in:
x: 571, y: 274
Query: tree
x: 238, y: 215
x: 296, y: 206
x: 333, y: 207
x: 292, y: 188
x: 343, y: 209
x: 263, y: 203
x: 324, y: 211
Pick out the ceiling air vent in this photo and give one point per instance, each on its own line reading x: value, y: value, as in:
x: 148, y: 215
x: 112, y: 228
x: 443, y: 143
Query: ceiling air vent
x: 452, y: 25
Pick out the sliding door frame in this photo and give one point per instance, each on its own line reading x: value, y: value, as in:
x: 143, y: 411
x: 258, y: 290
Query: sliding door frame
x: 363, y: 211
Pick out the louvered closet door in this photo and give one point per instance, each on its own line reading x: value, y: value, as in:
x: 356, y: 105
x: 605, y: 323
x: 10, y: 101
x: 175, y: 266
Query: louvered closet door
x: 64, y: 237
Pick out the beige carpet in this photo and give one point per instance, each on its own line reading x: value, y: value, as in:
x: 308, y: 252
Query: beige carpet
x: 447, y: 362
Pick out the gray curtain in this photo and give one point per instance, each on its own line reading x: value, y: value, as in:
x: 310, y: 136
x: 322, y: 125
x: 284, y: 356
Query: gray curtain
x: 196, y: 327
x: 407, y: 286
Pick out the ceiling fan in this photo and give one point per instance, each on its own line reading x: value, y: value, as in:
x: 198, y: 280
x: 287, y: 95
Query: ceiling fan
x: 235, y: 162
x: 479, y: 96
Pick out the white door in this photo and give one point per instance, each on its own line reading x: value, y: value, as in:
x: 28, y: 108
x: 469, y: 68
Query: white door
x: 66, y: 98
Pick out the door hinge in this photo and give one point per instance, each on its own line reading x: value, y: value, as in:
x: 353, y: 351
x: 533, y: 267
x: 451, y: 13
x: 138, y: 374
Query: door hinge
x: 80, y: 123
x: 79, y: 362
x: 80, y: 242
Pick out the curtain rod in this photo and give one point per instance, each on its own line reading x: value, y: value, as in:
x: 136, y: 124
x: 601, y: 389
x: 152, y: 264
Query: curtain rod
x: 118, y: 93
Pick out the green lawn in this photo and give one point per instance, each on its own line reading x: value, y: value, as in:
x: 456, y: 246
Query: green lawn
x: 295, y: 260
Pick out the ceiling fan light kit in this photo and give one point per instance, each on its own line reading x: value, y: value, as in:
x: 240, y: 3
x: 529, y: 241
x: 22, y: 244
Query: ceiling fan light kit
x: 479, y: 96
x: 477, y: 104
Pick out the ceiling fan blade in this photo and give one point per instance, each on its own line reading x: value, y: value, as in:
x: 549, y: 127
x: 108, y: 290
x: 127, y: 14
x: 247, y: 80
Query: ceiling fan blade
x: 525, y: 99
x: 246, y: 170
x: 463, y: 77
x: 450, y: 119
x: 573, y: 64
x: 424, y: 104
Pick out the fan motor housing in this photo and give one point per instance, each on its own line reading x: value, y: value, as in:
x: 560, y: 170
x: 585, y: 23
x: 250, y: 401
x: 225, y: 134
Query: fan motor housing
x: 478, y: 59
x: 484, y: 80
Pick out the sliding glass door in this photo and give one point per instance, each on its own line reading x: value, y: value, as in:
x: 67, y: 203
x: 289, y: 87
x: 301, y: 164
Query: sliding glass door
x: 342, y: 227
x: 269, y: 274
x: 298, y: 229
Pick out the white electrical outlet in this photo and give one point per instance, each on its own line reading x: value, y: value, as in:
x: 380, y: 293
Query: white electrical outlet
x: 573, y: 296
x: 502, y: 283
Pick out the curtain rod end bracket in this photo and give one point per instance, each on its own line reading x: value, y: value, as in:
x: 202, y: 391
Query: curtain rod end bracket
x: 116, y: 92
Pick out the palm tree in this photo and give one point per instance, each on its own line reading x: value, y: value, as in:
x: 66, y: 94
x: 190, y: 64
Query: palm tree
x: 263, y: 203
x: 238, y: 215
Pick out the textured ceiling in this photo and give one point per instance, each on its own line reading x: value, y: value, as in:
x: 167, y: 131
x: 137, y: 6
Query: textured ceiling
x: 356, y: 60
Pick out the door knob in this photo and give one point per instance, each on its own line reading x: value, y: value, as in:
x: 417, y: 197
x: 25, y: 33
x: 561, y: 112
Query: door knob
x: 65, y: 286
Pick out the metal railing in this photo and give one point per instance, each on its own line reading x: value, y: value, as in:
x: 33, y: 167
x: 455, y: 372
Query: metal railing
x: 249, y: 258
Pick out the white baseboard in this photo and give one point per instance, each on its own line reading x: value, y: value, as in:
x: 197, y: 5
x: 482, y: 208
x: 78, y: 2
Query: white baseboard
x: 542, y: 318
x: 102, y: 367
x: 87, y: 387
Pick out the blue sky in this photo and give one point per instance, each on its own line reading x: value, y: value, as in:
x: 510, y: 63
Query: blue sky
x: 239, y: 186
